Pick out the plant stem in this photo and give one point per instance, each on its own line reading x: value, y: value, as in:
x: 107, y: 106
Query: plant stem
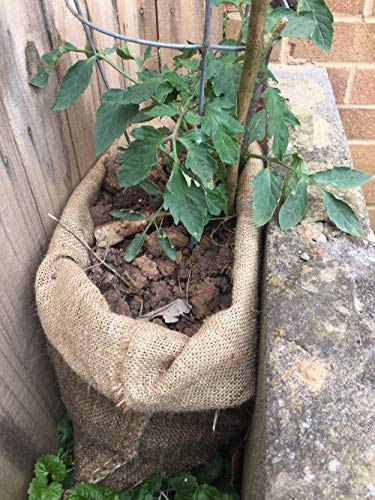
x: 108, y: 61
x: 110, y: 268
x: 254, y: 55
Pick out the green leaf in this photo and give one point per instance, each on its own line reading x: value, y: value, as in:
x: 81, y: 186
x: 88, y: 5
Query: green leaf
x: 140, y: 156
x: 134, y: 247
x: 342, y: 214
x: 216, y: 3
x: 140, y: 92
x: 217, y: 200
x: 341, y: 177
x: 87, y: 491
x: 292, y: 178
x: 184, y: 485
x: 279, y: 115
x: 208, y: 473
x: 200, y: 162
x: 300, y: 25
x: 224, y: 130
x: 323, y: 32
x: 124, y: 52
x: 193, y: 118
x: 187, y: 204
x: 267, y: 192
x: 74, y: 83
x: 150, y: 187
x: 65, y: 430
x: 111, y: 121
x: 51, y: 58
x: 161, y: 110
x: 226, y: 76
x: 39, y: 489
x: 166, y: 244
x: 257, y: 126
x: 206, y: 492
x: 123, y: 213
x: 50, y: 465
x: 145, y: 490
x: 295, y: 206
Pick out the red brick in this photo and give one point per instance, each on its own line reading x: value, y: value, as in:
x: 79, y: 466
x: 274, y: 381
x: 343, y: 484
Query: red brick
x: 339, y: 80
x: 352, y: 42
x: 364, y: 87
x: 364, y: 159
x: 346, y: 6
x: 371, y: 213
x: 358, y: 123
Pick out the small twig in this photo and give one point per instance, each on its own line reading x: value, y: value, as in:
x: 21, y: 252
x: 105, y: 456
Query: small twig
x: 141, y: 309
x: 110, y: 268
x: 92, y: 267
x: 216, y: 416
x: 187, y: 286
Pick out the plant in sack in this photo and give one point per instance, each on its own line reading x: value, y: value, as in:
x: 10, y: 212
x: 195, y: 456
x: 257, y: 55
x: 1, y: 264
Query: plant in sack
x: 144, y: 397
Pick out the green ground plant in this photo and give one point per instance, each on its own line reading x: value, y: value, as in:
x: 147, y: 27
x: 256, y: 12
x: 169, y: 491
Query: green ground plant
x: 54, y: 479
x: 201, y: 154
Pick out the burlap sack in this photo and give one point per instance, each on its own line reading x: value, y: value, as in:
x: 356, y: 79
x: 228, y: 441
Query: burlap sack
x: 143, y: 397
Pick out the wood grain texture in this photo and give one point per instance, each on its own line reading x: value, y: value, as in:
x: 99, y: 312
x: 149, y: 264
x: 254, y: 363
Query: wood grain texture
x: 183, y: 20
x: 43, y: 156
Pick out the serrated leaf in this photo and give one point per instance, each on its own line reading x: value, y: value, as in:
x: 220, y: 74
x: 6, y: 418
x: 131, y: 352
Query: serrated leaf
x: 294, y: 207
x: 226, y: 76
x: 293, y: 177
x: 224, y: 129
x: 267, y: 192
x: 279, y: 116
x: 166, y: 244
x: 300, y: 25
x: 39, y: 489
x: 217, y: 200
x: 140, y: 156
x: 110, y: 50
x: 187, y: 204
x: 87, y: 491
x: 50, y: 465
x: 123, y: 213
x: 74, y: 83
x: 199, y: 161
x: 257, y: 126
x: 161, y: 110
x: 341, y: 177
x: 323, y: 32
x: 145, y: 490
x: 193, y: 118
x: 51, y: 58
x: 124, y: 52
x: 150, y: 187
x: 140, y: 92
x: 184, y: 485
x: 134, y: 247
x: 342, y: 214
x: 112, y: 118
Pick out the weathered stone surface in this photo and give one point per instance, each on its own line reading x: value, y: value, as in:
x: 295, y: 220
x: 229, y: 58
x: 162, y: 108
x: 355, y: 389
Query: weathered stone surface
x: 313, y: 431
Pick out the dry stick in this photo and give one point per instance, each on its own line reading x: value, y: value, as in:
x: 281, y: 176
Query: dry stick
x: 110, y: 268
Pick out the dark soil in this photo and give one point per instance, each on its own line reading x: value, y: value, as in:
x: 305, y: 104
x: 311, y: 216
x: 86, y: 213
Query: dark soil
x: 201, y: 274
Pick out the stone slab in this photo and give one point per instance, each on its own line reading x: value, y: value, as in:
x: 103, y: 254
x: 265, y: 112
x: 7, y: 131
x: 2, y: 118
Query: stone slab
x: 313, y: 429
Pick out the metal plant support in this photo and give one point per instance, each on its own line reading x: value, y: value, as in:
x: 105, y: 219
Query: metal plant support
x: 204, y: 47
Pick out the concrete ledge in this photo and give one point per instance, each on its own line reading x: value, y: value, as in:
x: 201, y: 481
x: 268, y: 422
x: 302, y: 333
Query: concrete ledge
x: 313, y: 431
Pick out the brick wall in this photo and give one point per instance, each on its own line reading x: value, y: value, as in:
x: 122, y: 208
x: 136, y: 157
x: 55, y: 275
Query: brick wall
x: 351, y: 68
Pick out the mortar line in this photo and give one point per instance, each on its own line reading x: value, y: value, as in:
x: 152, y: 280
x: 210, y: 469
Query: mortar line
x: 355, y: 106
x: 350, y: 85
x: 348, y: 18
x: 285, y: 51
x: 333, y: 64
x: 361, y: 142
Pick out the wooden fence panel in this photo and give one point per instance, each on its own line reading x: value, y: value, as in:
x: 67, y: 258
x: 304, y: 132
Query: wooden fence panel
x: 44, y: 154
